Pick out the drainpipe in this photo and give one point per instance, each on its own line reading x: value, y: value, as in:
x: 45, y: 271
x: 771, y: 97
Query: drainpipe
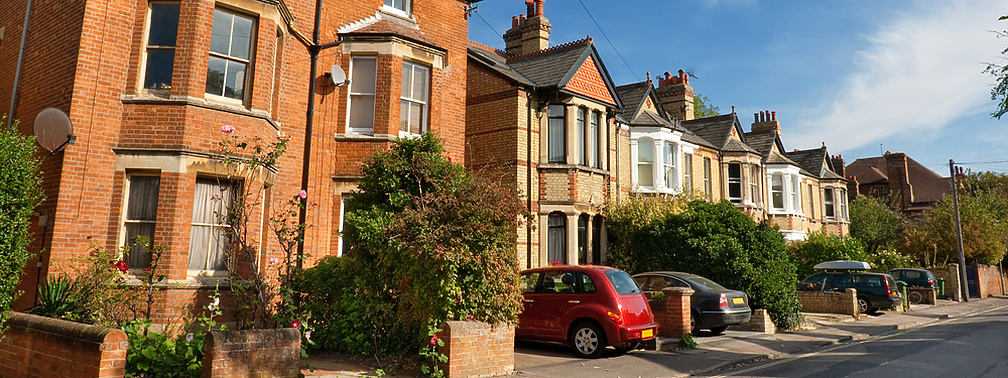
x: 528, y: 173
x: 17, y: 73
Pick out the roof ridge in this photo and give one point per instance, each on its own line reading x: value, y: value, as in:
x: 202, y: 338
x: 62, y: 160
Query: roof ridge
x: 486, y: 47
x: 562, y: 46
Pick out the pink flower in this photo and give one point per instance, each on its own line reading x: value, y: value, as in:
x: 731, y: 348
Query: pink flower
x: 434, y: 339
x: 303, y: 194
x: 296, y: 324
x: 273, y: 260
x: 147, y: 270
x: 227, y: 129
x: 307, y: 335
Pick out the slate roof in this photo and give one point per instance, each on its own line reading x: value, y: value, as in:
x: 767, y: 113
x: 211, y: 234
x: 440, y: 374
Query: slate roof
x: 633, y: 96
x: 926, y: 185
x: 815, y: 161
x: 717, y: 131
x: 548, y: 68
x: 762, y: 142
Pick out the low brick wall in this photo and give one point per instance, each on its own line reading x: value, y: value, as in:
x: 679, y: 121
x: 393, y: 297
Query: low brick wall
x: 37, y: 346
x: 990, y: 280
x: 673, y: 313
x: 252, y: 353
x: 951, y: 276
x: 477, y: 349
x: 829, y: 302
x: 760, y: 322
x: 928, y: 296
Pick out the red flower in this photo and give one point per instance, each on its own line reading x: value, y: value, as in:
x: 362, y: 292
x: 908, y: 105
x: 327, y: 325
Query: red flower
x: 296, y: 324
x: 434, y: 339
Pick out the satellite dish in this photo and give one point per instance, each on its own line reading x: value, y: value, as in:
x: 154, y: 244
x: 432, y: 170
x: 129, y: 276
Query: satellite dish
x: 53, y: 130
x: 337, y: 76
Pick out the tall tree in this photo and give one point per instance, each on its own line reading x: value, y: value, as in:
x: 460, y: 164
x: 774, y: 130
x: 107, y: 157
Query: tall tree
x: 1000, y: 71
x: 702, y: 107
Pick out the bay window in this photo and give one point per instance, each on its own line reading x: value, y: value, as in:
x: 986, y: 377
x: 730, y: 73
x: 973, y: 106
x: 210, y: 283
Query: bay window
x: 141, y: 215
x: 557, y: 133
x: 230, y: 54
x: 735, y: 182
x: 413, y: 103
x: 212, y: 202
x: 163, y: 19
x: 645, y: 162
x: 363, y: 75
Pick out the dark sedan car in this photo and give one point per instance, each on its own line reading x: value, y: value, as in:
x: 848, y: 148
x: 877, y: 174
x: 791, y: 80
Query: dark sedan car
x: 713, y: 306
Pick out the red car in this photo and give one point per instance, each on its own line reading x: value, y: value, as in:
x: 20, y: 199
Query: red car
x: 587, y: 306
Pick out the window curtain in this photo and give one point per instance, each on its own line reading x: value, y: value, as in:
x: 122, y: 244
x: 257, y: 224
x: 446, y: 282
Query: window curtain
x: 141, y: 213
x: 208, y: 237
x: 556, y: 239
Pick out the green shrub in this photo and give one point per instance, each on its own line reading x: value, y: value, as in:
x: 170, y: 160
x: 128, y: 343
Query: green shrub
x: 20, y: 192
x: 719, y: 242
x: 59, y: 298
x: 427, y: 243
x: 820, y: 247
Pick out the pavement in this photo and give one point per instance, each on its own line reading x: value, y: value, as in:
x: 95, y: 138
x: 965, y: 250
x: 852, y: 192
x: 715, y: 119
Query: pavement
x: 713, y: 353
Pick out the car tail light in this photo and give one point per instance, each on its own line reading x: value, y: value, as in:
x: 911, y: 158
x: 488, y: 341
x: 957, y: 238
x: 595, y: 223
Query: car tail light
x: 723, y: 302
x: 614, y: 317
x: 635, y: 335
x: 888, y: 290
x: 930, y: 282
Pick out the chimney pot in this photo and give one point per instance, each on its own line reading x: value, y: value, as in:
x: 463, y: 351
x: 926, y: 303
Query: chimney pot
x: 514, y: 22
x: 529, y: 8
x: 521, y: 19
x: 774, y: 115
x: 755, y: 117
x: 668, y: 76
x: 539, y: 7
x: 649, y: 77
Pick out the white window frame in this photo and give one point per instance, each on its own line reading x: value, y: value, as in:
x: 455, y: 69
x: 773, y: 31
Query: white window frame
x: 687, y: 173
x: 402, y: 7
x: 596, y: 136
x: 410, y: 98
x: 342, y: 222
x: 708, y: 190
x: 777, y: 191
x: 842, y: 199
x: 644, y: 165
x: 357, y: 60
x: 829, y: 204
x: 581, y: 124
x: 754, y: 176
x: 668, y: 162
x: 246, y: 79
x: 556, y: 125
x: 796, y: 194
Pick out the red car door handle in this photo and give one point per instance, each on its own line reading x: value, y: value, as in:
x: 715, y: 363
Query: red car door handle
x: 574, y: 301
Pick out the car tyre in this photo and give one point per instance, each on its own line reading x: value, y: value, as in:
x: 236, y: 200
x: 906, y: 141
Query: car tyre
x: 718, y: 330
x: 588, y: 340
x: 865, y: 306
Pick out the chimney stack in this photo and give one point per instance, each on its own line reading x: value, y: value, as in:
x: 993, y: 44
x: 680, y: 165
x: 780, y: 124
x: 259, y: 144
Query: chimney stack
x: 676, y: 95
x: 766, y: 122
x: 530, y: 33
x: 838, y: 165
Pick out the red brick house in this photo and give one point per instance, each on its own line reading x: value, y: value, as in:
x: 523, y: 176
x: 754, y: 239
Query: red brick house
x: 897, y: 179
x: 543, y: 119
x: 150, y: 85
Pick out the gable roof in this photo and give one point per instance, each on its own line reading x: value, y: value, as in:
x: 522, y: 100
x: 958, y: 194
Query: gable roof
x: 815, y: 161
x: 925, y: 185
x: 718, y: 130
x: 553, y: 68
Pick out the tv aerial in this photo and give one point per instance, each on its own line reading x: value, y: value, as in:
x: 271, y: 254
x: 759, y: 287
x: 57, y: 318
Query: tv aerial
x: 53, y: 130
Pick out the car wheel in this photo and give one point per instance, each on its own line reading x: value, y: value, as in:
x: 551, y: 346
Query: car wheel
x: 588, y: 340
x: 915, y: 297
x: 718, y: 330
x: 865, y: 305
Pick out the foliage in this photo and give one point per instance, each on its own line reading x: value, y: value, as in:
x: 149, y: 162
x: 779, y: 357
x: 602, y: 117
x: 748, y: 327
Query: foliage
x: 20, y: 192
x: 820, y: 247
x: 152, y: 275
x: 874, y: 223
x: 152, y: 354
x: 933, y: 239
x: 58, y: 299
x: 100, y: 284
x: 719, y: 242
x: 429, y: 353
x: 1000, y: 71
x: 427, y: 243
x: 703, y: 108
x: 689, y: 342
x: 635, y: 214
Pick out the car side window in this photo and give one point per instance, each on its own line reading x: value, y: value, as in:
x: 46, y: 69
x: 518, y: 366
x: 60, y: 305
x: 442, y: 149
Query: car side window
x: 528, y: 282
x: 558, y: 282
x: 677, y: 282
x: 587, y: 285
x: 912, y: 275
x: 642, y: 282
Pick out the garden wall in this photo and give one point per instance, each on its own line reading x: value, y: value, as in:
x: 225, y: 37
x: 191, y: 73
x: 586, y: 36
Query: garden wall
x: 37, y: 346
x: 673, y: 313
x: 252, y: 353
x: 829, y: 302
x: 477, y: 349
x: 990, y: 280
x: 951, y: 276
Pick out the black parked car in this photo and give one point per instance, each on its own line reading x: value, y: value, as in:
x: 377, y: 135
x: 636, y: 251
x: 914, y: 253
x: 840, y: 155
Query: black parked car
x: 914, y: 277
x: 874, y: 290
x: 713, y: 306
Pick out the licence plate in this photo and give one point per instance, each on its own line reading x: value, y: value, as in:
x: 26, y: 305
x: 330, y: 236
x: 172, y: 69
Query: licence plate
x: 647, y: 333
x: 737, y: 300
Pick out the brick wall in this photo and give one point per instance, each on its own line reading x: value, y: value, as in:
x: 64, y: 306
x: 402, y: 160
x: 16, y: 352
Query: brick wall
x: 673, y: 314
x: 829, y: 302
x: 36, y: 346
x: 951, y: 277
x: 990, y: 280
x: 252, y: 353
x: 476, y: 349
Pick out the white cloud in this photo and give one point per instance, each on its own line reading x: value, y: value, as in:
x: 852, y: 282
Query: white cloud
x: 916, y: 75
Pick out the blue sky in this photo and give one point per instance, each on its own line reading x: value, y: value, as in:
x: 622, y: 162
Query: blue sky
x: 853, y: 74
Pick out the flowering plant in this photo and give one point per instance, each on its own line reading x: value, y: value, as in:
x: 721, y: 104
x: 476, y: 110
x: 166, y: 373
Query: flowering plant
x: 430, y: 353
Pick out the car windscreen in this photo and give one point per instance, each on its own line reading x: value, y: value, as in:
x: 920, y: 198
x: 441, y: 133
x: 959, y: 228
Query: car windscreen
x: 621, y: 282
x: 704, y: 284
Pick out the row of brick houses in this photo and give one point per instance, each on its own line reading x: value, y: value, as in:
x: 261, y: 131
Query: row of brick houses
x: 152, y: 86
x: 552, y: 122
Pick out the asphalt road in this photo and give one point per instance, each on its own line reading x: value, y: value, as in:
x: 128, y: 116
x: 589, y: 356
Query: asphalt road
x: 973, y: 346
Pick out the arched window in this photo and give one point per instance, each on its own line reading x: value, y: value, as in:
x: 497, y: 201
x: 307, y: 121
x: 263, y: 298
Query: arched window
x: 556, y: 237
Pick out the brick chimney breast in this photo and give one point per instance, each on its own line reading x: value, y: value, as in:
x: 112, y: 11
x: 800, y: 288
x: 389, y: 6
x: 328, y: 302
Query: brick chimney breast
x: 531, y: 33
x: 766, y: 122
x: 676, y: 95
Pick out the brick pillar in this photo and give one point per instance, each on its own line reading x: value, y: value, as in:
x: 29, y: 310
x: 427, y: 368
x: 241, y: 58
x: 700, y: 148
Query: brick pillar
x: 674, y: 319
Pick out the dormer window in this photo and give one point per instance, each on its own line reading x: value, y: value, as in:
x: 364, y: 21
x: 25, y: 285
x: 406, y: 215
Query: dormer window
x: 399, y: 5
